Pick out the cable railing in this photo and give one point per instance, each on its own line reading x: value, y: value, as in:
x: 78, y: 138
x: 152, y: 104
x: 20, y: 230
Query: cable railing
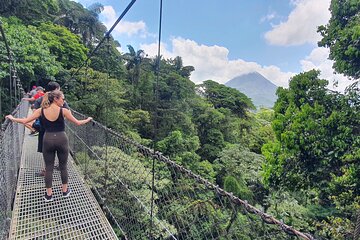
x: 11, y: 135
x: 11, y: 138
x: 178, y: 205
x: 13, y: 89
x: 119, y: 170
x: 186, y: 206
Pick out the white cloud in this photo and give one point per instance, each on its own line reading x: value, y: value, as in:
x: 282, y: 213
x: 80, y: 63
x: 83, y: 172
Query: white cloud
x: 301, y: 25
x: 211, y: 62
x: 268, y: 17
x: 318, y: 59
x: 109, y: 16
x: 276, y: 76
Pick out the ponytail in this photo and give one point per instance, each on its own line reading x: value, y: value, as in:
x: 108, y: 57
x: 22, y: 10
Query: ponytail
x: 45, y: 103
x: 49, y: 98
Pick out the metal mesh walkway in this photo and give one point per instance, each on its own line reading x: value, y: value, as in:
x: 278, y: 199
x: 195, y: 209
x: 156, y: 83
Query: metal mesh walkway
x: 76, y: 217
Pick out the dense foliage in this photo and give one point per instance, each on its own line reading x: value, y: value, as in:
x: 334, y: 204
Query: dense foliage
x: 342, y: 35
x: 298, y: 162
x: 317, y: 145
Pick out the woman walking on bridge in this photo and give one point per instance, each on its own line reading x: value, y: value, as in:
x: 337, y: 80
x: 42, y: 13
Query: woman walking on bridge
x: 55, y: 141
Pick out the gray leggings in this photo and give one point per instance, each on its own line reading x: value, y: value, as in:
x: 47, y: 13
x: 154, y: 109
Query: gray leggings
x: 55, y: 143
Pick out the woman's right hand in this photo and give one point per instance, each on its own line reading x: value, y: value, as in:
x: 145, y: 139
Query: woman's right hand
x: 10, y: 117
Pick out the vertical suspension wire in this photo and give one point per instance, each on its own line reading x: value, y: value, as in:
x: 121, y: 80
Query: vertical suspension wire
x: 86, y: 133
x: 357, y: 227
x: 106, y: 122
x: 156, y: 94
x: 17, y: 86
x: 10, y: 81
x: 14, y: 85
x: 12, y: 69
x: 3, y: 37
x: 21, y: 90
x: 107, y: 35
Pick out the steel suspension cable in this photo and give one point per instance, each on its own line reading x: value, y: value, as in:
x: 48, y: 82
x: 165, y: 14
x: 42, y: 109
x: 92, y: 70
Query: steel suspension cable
x: 106, y: 36
x: 157, y: 156
x: 107, y: 115
x: 156, y: 116
x: 357, y: 227
x: 9, y: 59
x: 2, y: 33
x: 14, y: 82
x: 248, y: 208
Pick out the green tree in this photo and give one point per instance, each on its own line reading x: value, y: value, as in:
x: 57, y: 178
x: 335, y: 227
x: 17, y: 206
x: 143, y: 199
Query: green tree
x: 81, y: 21
x: 108, y: 59
x: 184, y: 71
x: 283, y: 205
x: 342, y: 35
x: 222, y: 96
x: 171, y: 105
x: 93, y: 93
x: 216, y: 127
x: 133, y: 60
x: 316, y: 131
x: 30, y: 11
x: 33, y: 59
x: 209, y: 124
x: 63, y: 44
x: 245, y: 166
x: 237, y: 160
x: 92, y: 28
x: 180, y: 148
x: 260, y: 131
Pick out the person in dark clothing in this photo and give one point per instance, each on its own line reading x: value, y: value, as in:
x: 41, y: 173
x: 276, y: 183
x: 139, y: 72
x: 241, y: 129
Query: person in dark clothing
x: 51, y: 86
x: 32, y: 99
x: 55, y: 141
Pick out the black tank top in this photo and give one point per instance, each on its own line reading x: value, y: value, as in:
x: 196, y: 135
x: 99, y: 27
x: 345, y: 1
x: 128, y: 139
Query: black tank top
x: 53, y: 126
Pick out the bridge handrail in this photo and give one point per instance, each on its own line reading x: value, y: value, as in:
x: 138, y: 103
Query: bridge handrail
x: 11, y: 138
x: 7, y: 121
x: 237, y: 201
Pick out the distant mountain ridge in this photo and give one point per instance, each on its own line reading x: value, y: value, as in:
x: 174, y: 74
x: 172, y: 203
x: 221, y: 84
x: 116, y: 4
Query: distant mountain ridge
x: 257, y: 87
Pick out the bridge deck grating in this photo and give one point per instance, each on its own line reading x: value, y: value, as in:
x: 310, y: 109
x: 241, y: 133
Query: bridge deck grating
x: 76, y: 217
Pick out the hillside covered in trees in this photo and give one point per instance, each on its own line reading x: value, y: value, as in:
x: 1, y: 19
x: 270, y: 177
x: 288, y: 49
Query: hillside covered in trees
x: 299, y: 161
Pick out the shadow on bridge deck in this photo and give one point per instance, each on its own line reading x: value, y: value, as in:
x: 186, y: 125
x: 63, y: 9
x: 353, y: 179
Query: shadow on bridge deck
x: 76, y: 217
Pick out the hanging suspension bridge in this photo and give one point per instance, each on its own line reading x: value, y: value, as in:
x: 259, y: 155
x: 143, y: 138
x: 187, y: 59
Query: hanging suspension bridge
x: 121, y: 189
x: 117, y: 193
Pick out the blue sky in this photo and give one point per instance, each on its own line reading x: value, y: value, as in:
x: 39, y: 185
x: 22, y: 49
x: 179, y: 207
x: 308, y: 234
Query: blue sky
x: 223, y: 39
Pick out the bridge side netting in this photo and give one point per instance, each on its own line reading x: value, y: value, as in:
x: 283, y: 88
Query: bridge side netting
x: 11, y: 139
x: 185, y: 205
